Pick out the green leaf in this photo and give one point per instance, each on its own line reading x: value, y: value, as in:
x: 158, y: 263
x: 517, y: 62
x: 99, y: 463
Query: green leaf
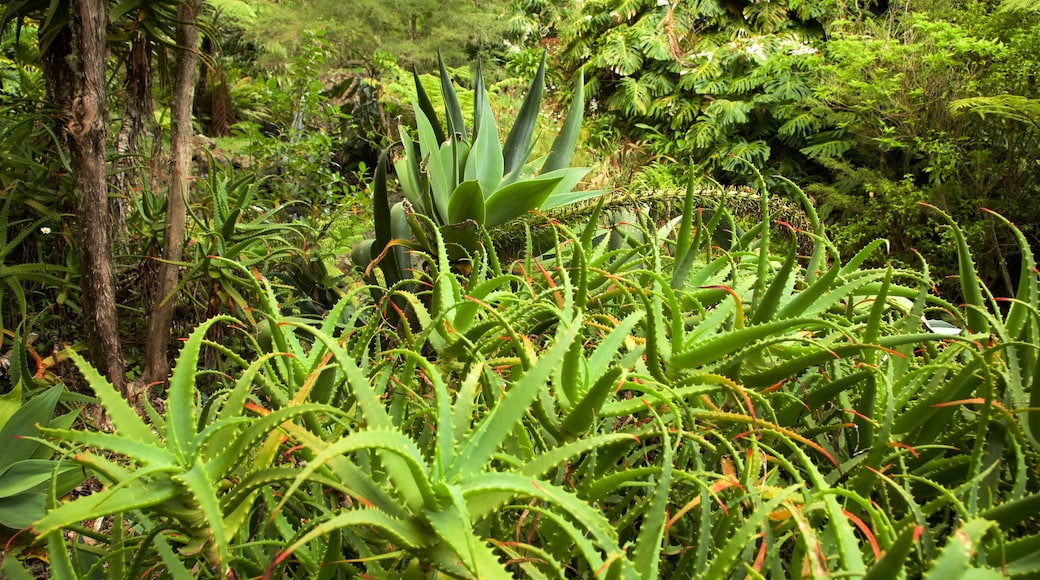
x: 135, y: 495
x: 563, y: 146
x: 425, y: 106
x: 956, y: 559
x: 25, y: 475
x: 467, y: 203
x: 180, y: 404
x: 738, y: 541
x: 892, y: 563
x: 124, y: 419
x: 16, y: 432
x: 456, y: 125
x: 480, y: 444
x: 485, y: 162
x: 20, y: 511
x: 517, y: 146
x: 516, y: 199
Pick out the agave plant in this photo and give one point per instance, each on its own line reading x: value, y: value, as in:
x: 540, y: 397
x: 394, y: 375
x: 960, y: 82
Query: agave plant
x: 464, y: 178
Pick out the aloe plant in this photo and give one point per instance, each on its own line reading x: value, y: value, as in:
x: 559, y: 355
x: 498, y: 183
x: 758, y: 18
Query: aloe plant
x: 186, y: 470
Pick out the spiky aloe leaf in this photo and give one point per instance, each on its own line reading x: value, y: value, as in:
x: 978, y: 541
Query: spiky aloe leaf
x: 480, y: 444
x: 406, y: 533
x: 203, y: 492
x: 181, y: 425
x: 718, y: 346
x: 135, y: 495
x: 971, y: 287
x: 727, y: 556
x: 485, y: 492
x: 647, y: 552
x: 123, y: 418
x: 955, y: 560
x: 586, y: 405
x: 387, y: 441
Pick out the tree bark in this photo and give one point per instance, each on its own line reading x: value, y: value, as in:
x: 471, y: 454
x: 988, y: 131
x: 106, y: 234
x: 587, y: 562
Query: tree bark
x: 86, y: 132
x: 157, y: 365
x: 137, y: 116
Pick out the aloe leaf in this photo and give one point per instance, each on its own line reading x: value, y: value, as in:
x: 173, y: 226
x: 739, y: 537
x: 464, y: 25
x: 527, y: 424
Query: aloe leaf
x: 586, y: 406
x: 956, y: 557
x: 518, y: 141
x: 892, y: 563
x: 727, y: 556
x: 485, y: 162
x: 456, y: 125
x: 1027, y: 292
x: 136, y: 495
x: 516, y: 199
x: 647, y: 552
x: 467, y: 203
x: 454, y: 528
x: 684, y: 238
x: 59, y: 556
x: 563, y: 146
x: 123, y: 418
x: 203, y: 491
x: 718, y: 346
x: 180, y: 406
x: 767, y: 306
x: 140, y: 452
x: 353, y: 480
x: 481, y: 443
x: 486, y: 491
x: 971, y: 287
x: 390, y: 442
x: 403, y: 532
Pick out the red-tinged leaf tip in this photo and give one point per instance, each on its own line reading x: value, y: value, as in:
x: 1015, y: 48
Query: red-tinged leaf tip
x: 276, y: 562
x: 860, y: 415
x: 256, y: 409
x: 972, y: 401
x: 866, y: 532
x: 918, y: 530
x: 904, y: 446
x: 761, y: 557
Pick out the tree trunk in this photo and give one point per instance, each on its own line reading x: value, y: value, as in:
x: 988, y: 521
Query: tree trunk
x: 137, y: 115
x: 156, y: 362
x: 86, y: 132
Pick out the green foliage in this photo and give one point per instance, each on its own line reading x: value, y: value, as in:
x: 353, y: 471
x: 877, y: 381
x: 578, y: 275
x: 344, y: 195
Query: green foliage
x: 657, y: 407
x: 877, y: 103
x: 461, y: 181
x: 413, y: 30
x: 723, y: 85
x: 28, y: 473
